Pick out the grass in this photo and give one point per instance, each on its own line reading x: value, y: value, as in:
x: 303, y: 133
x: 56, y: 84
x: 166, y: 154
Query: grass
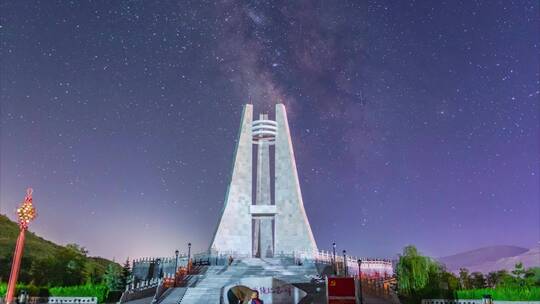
x: 502, y: 293
x: 98, y: 291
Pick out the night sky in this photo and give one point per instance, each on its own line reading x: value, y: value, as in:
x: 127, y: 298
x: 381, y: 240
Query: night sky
x: 413, y: 122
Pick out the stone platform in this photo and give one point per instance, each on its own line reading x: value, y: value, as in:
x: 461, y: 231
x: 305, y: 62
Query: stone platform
x: 278, y: 281
x: 210, y: 284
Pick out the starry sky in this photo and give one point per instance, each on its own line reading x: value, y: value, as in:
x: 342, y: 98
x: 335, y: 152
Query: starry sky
x: 413, y: 122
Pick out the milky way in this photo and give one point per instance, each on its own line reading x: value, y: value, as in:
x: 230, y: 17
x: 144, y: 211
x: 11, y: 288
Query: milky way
x: 413, y: 122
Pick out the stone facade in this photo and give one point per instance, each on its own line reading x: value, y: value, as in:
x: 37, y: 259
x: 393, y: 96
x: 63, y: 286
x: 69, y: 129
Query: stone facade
x: 233, y: 234
x: 257, y: 227
x: 294, y: 232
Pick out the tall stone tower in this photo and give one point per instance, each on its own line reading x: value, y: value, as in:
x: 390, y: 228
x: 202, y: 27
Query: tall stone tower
x: 255, y: 225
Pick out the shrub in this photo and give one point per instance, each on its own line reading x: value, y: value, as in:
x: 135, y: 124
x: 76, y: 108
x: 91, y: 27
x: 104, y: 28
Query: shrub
x: 3, y: 290
x: 98, y: 291
x: 502, y: 293
x: 30, y: 288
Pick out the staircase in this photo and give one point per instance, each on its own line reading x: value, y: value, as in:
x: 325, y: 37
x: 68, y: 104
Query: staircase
x: 206, y: 286
x: 173, y: 295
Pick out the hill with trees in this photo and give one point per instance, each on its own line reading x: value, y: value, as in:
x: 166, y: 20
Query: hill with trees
x: 48, y: 264
x: 421, y: 277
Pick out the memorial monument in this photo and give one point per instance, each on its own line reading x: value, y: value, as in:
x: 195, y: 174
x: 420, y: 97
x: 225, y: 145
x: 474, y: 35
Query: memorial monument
x: 269, y: 222
x: 263, y: 239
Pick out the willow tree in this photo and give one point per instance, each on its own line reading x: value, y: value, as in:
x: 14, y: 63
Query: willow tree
x: 413, y: 271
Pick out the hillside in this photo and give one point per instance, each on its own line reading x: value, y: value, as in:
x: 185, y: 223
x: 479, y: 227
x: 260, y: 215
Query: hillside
x: 35, y: 246
x: 43, y: 256
x: 490, y: 258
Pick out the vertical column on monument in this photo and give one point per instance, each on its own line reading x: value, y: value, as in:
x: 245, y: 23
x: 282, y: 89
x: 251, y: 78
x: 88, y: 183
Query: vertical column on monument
x: 263, y: 239
x: 233, y: 234
x: 293, y: 232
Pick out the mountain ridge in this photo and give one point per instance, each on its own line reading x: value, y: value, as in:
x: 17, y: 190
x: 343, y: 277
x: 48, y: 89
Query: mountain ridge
x: 492, y: 258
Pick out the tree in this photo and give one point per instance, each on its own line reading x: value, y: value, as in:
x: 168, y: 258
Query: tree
x: 74, y: 266
x: 420, y: 277
x: 495, y: 278
x: 532, y: 276
x: 450, y: 280
x: 519, y: 271
x: 67, y: 268
x: 77, y: 248
x: 522, y: 277
x: 94, y: 274
x: 412, y: 271
x: 477, y: 280
x: 125, y: 276
x: 112, y: 277
x: 464, y: 278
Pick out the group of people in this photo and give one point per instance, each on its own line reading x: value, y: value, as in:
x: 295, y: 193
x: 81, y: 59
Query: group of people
x: 243, y: 295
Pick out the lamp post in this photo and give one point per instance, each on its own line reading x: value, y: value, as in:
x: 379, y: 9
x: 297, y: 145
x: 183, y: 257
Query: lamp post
x: 160, y: 268
x: 176, y: 252
x: 26, y: 213
x: 344, y: 262
x: 360, y: 296
x: 189, y: 256
x: 334, y: 260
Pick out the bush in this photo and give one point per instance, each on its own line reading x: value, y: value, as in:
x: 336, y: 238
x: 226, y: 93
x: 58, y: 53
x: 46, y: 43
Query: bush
x: 502, y: 293
x: 30, y: 288
x: 99, y: 291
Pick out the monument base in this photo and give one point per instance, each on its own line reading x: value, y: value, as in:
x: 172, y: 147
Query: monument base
x: 278, y: 280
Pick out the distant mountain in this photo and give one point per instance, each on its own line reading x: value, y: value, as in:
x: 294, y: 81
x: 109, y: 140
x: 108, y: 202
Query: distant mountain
x: 36, y: 248
x: 492, y: 258
x: 530, y: 258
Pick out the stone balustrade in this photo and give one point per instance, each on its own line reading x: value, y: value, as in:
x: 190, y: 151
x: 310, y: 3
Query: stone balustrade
x: 477, y: 301
x: 370, y: 266
x: 72, y: 300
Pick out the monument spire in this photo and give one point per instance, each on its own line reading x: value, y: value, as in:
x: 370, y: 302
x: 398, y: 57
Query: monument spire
x: 255, y: 226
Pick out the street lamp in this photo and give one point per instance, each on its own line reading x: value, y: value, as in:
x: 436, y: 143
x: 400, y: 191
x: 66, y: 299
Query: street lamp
x: 189, y: 256
x: 176, y: 252
x: 26, y: 213
x: 335, y: 262
x: 344, y: 262
x: 160, y: 268
x: 360, y: 282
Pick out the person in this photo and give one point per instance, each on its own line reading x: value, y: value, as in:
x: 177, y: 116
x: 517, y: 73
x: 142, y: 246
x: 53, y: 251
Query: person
x: 241, y: 294
x: 255, y: 298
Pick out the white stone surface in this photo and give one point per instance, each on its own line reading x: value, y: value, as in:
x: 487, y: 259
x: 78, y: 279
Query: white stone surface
x: 208, y: 289
x: 293, y: 232
x: 287, y: 231
x: 263, y: 234
x: 233, y: 233
x: 262, y: 210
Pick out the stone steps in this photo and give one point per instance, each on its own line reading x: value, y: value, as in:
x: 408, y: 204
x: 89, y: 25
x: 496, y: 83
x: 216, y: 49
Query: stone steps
x: 198, y: 295
x: 173, y: 295
x: 206, y: 286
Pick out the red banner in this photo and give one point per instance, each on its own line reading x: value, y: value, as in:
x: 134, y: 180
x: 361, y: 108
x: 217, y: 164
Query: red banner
x: 341, y: 291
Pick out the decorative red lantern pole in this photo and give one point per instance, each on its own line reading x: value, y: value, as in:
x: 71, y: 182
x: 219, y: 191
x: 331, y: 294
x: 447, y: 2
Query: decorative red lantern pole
x: 26, y: 213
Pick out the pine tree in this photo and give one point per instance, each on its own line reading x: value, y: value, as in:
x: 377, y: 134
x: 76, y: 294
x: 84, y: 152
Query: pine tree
x: 112, y: 277
x: 125, y: 276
